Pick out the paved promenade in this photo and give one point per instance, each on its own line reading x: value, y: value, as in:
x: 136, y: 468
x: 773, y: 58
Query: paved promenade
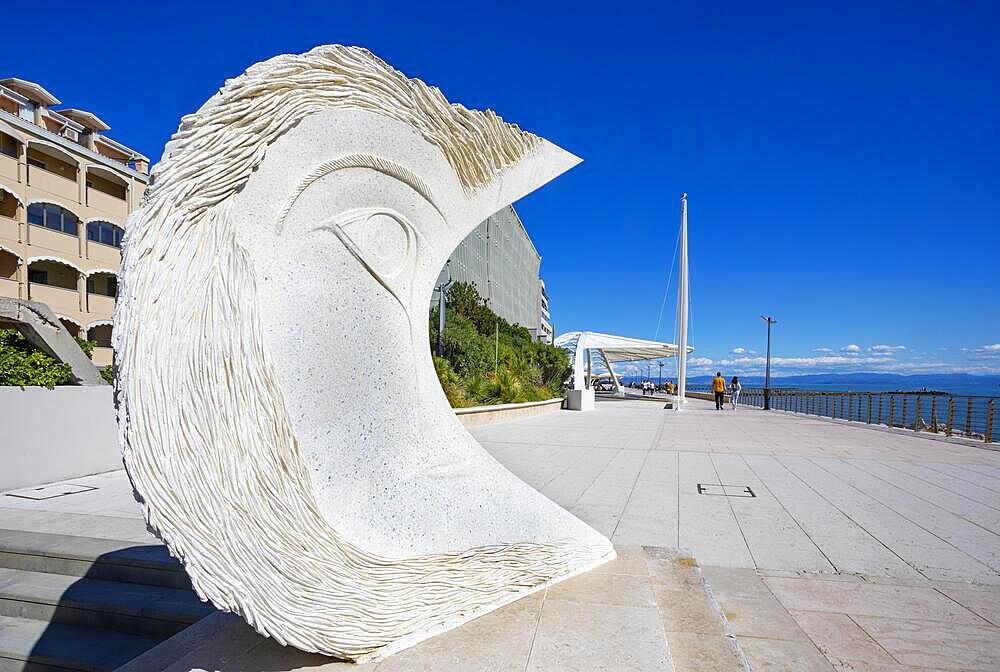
x: 880, y: 549
x: 859, y: 549
x: 828, y: 496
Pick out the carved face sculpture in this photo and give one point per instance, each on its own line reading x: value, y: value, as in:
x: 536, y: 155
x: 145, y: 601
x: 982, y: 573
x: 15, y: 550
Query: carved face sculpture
x: 280, y: 416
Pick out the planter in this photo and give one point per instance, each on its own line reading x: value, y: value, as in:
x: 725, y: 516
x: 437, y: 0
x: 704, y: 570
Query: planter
x: 475, y: 416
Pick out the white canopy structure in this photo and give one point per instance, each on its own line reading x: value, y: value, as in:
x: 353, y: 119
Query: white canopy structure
x: 612, y: 349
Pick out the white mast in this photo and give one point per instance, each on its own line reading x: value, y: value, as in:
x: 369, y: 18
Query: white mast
x: 682, y: 307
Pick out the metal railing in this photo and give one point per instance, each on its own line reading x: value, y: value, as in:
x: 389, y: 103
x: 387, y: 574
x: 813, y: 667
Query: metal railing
x: 972, y: 417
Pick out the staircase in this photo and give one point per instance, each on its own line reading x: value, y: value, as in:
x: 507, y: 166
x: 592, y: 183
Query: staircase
x: 78, y: 603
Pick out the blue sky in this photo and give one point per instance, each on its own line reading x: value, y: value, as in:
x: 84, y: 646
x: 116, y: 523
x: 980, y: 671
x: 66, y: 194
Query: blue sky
x: 842, y: 162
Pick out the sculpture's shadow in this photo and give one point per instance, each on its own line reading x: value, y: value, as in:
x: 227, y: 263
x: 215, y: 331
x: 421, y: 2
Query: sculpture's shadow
x: 99, y: 613
x: 133, y: 610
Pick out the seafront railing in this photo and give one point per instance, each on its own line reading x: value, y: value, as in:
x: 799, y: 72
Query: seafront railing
x: 972, y: 417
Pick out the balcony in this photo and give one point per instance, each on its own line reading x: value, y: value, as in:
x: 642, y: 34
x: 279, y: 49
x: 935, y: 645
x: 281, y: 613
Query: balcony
x: 102, y: 356
x: 8, y: 168
x: 106, y: 255
x: 57, y: 185
x: 100, y: 306
x: 114, y: 207
x: 67, y: 245
x: 8, y: 287
x: 101, y: 335
x: 59, y: 299
x: 8, y: 228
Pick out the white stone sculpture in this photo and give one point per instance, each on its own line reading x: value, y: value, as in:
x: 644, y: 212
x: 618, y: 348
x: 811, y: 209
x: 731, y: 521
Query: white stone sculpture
x: 279, y: 413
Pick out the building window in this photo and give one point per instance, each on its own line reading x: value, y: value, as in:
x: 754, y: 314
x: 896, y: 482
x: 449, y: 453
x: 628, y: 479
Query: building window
x: 105, y: 232
x: 52, y: 217
x: 36, y: 163
x: 38, y: 277
x: 109, y: 287
x: 101, y: 334
x: 8, y: 145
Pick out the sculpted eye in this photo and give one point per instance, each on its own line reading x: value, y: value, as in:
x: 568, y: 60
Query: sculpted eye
x: 383, y: 241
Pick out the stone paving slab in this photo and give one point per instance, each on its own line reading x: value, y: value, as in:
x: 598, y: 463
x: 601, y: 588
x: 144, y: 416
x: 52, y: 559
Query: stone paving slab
x: 830, y: 497
x: 861, y: 533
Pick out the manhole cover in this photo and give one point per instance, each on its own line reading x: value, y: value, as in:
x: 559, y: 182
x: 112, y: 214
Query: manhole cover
x: 725, y: 490
x: 50, y: 491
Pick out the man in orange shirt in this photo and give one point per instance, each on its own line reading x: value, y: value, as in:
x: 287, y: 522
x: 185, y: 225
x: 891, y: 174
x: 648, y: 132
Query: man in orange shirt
x: 719, y: 387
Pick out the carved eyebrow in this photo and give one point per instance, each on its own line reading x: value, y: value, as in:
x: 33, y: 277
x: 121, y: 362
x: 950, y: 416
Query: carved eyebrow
x: 385, y: 166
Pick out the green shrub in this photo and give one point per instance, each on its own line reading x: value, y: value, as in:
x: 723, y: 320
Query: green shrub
x: 86, y: 346
x: 22, y: 364
x: 475, y: 388
x: 450, y: 382
x: 491, y: 361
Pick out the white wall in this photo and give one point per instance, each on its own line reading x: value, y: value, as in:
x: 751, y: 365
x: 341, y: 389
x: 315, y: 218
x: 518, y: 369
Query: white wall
x: 51, y: 435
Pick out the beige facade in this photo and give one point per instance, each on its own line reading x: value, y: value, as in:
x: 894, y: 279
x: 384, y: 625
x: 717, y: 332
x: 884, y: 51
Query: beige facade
x: 65, y: 193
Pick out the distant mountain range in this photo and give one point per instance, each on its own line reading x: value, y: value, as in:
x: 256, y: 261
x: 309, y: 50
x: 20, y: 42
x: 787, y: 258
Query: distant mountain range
x: 956, y: 383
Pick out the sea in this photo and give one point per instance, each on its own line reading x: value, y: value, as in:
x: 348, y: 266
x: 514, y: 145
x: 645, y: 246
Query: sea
x: 957, y: 384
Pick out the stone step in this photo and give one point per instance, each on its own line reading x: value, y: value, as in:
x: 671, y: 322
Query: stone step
x: 105, y: 559
x: 126, y: 607
x: 698, y: 633
x: 35, y: 646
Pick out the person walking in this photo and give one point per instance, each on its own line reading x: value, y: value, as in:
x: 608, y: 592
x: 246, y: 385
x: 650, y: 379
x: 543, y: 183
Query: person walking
x: 719, y: 387
x: 734, y: 391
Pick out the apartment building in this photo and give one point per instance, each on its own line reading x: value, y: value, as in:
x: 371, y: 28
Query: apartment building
x: 66, y: 190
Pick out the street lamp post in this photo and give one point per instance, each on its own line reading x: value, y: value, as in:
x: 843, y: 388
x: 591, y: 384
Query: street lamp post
x: 659, y: 377
x: 767, y: 371
x: 442, y: 291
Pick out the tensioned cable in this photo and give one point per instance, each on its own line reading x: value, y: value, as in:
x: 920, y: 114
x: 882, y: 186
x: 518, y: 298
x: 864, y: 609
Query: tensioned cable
x: 666, y: 290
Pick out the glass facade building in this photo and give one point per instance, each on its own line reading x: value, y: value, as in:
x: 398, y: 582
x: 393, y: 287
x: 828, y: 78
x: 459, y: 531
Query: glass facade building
x: 499, y: 258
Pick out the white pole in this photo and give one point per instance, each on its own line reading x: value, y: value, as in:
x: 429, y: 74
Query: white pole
x: 682, y: 307
x: 590, y: 374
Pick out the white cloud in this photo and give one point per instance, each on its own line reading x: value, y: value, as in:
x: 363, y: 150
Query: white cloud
x: 822, y: 350
x: 738, y: 351
x: 984, y: 351
x: 887, y: 349
x: 851, y: 347
x: 836, y: 363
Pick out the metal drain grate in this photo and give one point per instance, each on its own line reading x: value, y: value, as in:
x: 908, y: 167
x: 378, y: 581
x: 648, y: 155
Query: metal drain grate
x: 725, y: 490
x: 50, y: 491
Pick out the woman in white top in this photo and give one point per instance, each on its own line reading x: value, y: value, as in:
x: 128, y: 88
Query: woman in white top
x: 734, y: 391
